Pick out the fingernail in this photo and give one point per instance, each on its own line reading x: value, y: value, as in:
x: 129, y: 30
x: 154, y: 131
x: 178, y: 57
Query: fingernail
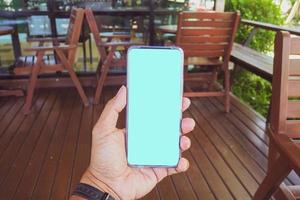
x: 120, y: 91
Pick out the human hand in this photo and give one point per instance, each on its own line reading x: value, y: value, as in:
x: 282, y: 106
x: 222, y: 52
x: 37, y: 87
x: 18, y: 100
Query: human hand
x: 108, y: 170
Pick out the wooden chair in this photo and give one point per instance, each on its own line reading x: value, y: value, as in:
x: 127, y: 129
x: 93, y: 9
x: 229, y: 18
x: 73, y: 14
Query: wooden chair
x: 207, y: 38
x: 284, y: 125
x: 110, y: 53
x: 66, y: 57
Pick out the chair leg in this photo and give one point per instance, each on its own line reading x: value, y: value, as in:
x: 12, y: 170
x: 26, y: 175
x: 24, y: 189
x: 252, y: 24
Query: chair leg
x: 104, y: 72
x: 273, y: 154
x: 227, y: 89
x: 100, y: 84
x: 74, y: 77
x: 32, y: 83
x: 30, y: 89
x: 279, y: 170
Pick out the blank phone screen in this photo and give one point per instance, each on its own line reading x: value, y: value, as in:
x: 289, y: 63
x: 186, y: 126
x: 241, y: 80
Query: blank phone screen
x: 154, y: 101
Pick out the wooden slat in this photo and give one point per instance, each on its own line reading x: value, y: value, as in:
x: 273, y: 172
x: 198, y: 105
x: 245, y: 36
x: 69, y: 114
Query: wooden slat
x: 215, y: 182
x: 293, y: 109
x: 294, y: 67
x: 39, y: 155
x: 217, y: 161
x: 204, y: 53
x: 204, y: 39
x: 200, y: 185
x: 83, y: 152
x: 203, y: 94
x: 61, y: 184
x: 209, y: 15
x: 208, y: 23
x: 295, y: 45
x: 293, y: 88
x: 47, y: 173
x: 209, y: 31
x: 10, y: 176
x: 292, y: 128
x: 227, y: 157
x: 216, y: 47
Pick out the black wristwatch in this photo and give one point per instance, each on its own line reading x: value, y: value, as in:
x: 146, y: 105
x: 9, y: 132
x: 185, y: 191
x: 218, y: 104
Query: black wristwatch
x: 91, y: 193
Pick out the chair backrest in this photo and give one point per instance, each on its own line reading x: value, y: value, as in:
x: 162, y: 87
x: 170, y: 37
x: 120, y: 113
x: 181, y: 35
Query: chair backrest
x: 74, y: 30
x: 285, y: 109
x: 207, y: 33
x: 95, y: 31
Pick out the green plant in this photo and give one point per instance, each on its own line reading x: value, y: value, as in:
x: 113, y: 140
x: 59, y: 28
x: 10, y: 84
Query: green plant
x: 250, y: 88
x: 261, y: 11
x: 253, y: 90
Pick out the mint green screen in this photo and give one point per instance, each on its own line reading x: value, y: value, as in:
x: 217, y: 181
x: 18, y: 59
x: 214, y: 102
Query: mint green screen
x: 154, y: 106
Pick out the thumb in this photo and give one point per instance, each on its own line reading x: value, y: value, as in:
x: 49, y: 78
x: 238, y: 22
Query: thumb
x: 109, y: 117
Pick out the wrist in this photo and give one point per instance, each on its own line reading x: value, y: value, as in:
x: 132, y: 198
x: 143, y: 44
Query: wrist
x: 90, y: 179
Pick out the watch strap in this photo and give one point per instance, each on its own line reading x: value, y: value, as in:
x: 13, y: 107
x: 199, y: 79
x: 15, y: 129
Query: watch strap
x: 91, y: 193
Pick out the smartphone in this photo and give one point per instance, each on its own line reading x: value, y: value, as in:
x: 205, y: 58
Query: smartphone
x: 154, y: 101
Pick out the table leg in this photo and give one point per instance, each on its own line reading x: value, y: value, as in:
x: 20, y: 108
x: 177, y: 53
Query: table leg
x: 16, y: 43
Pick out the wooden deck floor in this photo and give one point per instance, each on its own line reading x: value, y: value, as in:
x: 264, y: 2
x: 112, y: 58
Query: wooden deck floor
x: 43, y: 155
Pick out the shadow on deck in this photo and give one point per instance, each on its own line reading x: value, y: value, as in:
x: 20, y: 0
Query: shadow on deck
x: 43, y: 155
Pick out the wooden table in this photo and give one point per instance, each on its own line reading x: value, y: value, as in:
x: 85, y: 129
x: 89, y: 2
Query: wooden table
x: 12, y: 23
x: 8, y: 30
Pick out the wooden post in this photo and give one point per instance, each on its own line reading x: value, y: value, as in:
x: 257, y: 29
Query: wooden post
x: 219, y: 5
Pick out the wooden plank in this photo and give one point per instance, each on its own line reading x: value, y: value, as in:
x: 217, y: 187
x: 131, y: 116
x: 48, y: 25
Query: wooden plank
x: 258, y: 131
x: 4, y: 109
x: 215, y: 182
x: 203, y: 53
x: 12, y: 130
x: 23, y: 131
x: 209, y: 15
x: 255, y: 62
x: 231, y: 181
x: 294, y: 67
x: 10, y: 175
x: 293, y: 109
x: 204, y: 39
x: 193, y: 46
x: 209, y: 31
x: 295, y: 45
x: 245, y: 178
x: 197, y: 180
x: 166, y: 189
x: 245, y: 138
x: 46, y: 177
x: 225, y: 143
x: 292, y: 128
x: 9, y: 116
x: 293, y: 88
x: 183, y: 187
x: 39, y: 154
x: 249, y: 112
x: 61, y: 184
x: 208, y: 23
x: 83, y: 151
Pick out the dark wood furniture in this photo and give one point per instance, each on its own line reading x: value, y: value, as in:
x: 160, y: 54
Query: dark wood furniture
x: 253, y: 61
x: 7, y: 30
x: 66, y: 56
x: 110, y: 54
x: 207, y: 38
x: 14, y: 35
x: 284, y: 125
